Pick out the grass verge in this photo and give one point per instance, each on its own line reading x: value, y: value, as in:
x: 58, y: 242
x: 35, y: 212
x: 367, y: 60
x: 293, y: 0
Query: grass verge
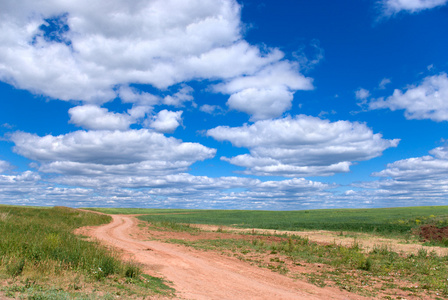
x: 41, y: 258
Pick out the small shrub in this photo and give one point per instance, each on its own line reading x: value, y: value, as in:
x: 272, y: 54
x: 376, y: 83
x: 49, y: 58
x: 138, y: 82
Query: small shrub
x: 422, y: 253
x: 365, y: 264
x: 290, y: 245
x: 132, y: 271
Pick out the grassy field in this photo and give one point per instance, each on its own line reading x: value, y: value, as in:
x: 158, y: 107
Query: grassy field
x: 384, y: 221
x: 41, y: 258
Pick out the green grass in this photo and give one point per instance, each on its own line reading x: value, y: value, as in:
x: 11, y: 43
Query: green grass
x: 37, y: 246
x: 384, y: 221
x: 132, y: 211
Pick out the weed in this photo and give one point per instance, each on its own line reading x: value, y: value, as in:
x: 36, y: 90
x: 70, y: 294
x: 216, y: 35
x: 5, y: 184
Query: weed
x: 132, y: 271
x: 15, y: 268
x: 365, y: 264
x: 4, y: 216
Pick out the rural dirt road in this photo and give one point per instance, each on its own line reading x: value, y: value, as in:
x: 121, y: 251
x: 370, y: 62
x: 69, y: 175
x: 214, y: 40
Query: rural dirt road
x: 199, y: 274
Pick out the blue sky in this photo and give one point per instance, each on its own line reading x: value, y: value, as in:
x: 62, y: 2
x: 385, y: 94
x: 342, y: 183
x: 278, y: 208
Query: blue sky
x: 281, y: 105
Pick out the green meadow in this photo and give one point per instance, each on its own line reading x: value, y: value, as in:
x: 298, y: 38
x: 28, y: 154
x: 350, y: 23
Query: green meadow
x: 383, y: 221
x: 41, y: 258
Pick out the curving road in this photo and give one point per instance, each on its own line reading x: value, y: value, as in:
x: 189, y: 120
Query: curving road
x: 206, y: 275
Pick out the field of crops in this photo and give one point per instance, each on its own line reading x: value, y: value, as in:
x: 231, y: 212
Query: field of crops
x: 385, y: 221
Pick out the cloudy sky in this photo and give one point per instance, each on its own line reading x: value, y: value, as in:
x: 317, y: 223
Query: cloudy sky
x: 224, y: 104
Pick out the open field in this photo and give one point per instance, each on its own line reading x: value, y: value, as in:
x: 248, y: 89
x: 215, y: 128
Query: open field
x: 383, y: 221
x: 41, y: 258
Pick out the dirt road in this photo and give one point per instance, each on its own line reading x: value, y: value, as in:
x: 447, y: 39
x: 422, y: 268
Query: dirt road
x: 206, y: 275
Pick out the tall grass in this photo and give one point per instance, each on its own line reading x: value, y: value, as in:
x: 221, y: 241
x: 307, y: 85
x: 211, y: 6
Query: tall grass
x: 40, y: 255
x: 41, y: 240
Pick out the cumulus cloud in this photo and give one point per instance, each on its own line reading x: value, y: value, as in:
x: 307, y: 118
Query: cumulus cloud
x: 185, y: 190
x: 65, y: 51
x: 113, y: 152
x: 433, y: 166
x: 132, y: 95
x: 266, y: 94
x: 178, y: 99
x: 301, y: 146
x: 166, y: 121
x: 391, y: 7
x: 147, y: 34
x: 177, y: 190
x: 94, y: 117
x: 413, y: 181
x: 428, y: 100
x: 211, y: 109
x: 362, y: 94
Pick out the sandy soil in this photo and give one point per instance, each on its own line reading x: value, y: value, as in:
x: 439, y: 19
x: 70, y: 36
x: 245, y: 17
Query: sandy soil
x: 366, y: 241
x: 199, y: 274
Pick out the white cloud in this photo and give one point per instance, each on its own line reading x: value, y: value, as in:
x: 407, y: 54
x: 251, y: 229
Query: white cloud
x: 413, y: 181
x: 4, y: 165
x: 262, y: 103
x: 94, y: 117
x: 301, y: 146
x: 307, y: 63
x: 178, y: 99
x: 166, y: 121
x: 362, y: 94
x: 211, y: 109
x: 428, y: 100
x: 191, y: 191
x: 131, y: 95
x: 268, y: 93
x: 391, y: 7
x: 418, y: 168
x: 147, y: 34
x: 160, y: 43
x: 114, y: 152
x: 177, y: 190
x: 383, y: 83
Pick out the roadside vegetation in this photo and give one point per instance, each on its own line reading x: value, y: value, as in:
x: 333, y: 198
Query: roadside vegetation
x: 41, y: 258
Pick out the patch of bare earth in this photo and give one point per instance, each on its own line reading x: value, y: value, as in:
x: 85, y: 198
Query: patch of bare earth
x: 367, y: 242
x: 197, y: 274
x: 433, y: 233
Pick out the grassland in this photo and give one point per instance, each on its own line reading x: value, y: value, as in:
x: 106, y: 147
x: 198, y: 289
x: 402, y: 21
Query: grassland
x: 41, y: 258
x: 383, y: 221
